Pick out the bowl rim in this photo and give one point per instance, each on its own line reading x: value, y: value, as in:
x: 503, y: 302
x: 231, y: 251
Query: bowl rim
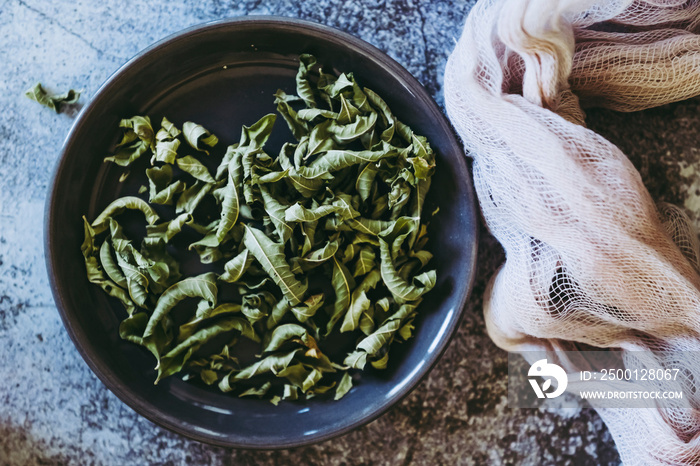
x: 113, y: 384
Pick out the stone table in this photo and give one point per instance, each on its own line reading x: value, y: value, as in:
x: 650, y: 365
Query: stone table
x: 53, y: 410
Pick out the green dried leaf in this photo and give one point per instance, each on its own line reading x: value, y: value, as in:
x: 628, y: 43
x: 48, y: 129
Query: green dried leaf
x: 101, y: 223
x: 304, y: 87
x: 343, y: 387
x: 202, y: 286
x: 198, y: 137
x: 195, y: 168
x: 271, y: 257
x: 236, y: 267
x: 174, y: 360
x: 343, y: 284
x: 52, y: 101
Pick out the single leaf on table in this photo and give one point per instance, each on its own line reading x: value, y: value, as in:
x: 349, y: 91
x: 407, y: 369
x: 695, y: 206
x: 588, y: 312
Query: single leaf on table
x: 198, y: 137
x: 201, y: 286
x: 101, y: 223
x: 271, y: 257
x: 53, y: 101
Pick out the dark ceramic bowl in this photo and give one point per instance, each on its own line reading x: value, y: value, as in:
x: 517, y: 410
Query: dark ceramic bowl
x: 223, y: 75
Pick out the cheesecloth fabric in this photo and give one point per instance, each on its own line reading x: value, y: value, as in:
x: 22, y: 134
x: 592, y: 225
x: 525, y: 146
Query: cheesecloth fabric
x: 590, y: 258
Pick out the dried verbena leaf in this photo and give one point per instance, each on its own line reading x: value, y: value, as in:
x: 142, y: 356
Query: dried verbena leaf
x: 365, y: 180
x: 275, y: 209
x: 286, y: 333
x: 365, y: 261
x: 334, y: 160
x: 195, y: 168
x: 344, y: 386
x: 273, y: 363
x: 166, y: 231
x: 174, y: 360
x: 96, y: 274
x: 304, y: 88
x: 167, y: 143
x: 131, y: 329
x: 138, y: 138
x: 188, y: 328
x: 282, y: 216
x: 202, y: 286
x: 259, y: 392
x: 236, y: 267
x: 230, y: 206
x: 298, y: 127
x: 380, y: 338
x: 192, y: 197
x: 160, y: 188
x: 257, y: 306
x: 347, y: 133
x: 324, y: 253
x: 53, y: 101
x: 343, y: 284
x: 101, y: 223
x: 198, y: 137
x: 271, y: 257
x: 359, y: 303
x: 110, y: 266
x: 308, y: 308
x: 277, y: 313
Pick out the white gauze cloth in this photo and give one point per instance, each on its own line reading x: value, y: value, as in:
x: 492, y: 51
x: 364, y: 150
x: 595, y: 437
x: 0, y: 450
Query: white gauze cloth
x: 590, y: 258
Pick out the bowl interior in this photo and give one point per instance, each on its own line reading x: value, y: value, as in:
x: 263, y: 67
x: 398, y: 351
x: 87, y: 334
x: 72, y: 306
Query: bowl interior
x: 223, y: 75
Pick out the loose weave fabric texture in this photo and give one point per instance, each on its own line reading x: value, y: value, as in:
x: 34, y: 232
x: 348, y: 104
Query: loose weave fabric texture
x: 591, y: 260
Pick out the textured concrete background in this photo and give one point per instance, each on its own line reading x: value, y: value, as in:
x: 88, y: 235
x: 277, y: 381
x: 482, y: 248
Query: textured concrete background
x: 53, y: 410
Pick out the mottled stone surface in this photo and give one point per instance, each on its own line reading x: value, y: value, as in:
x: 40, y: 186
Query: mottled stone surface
x: 53, y: 410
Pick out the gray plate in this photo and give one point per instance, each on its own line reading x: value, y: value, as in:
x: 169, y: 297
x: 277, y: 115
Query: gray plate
x: 223, y: 75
